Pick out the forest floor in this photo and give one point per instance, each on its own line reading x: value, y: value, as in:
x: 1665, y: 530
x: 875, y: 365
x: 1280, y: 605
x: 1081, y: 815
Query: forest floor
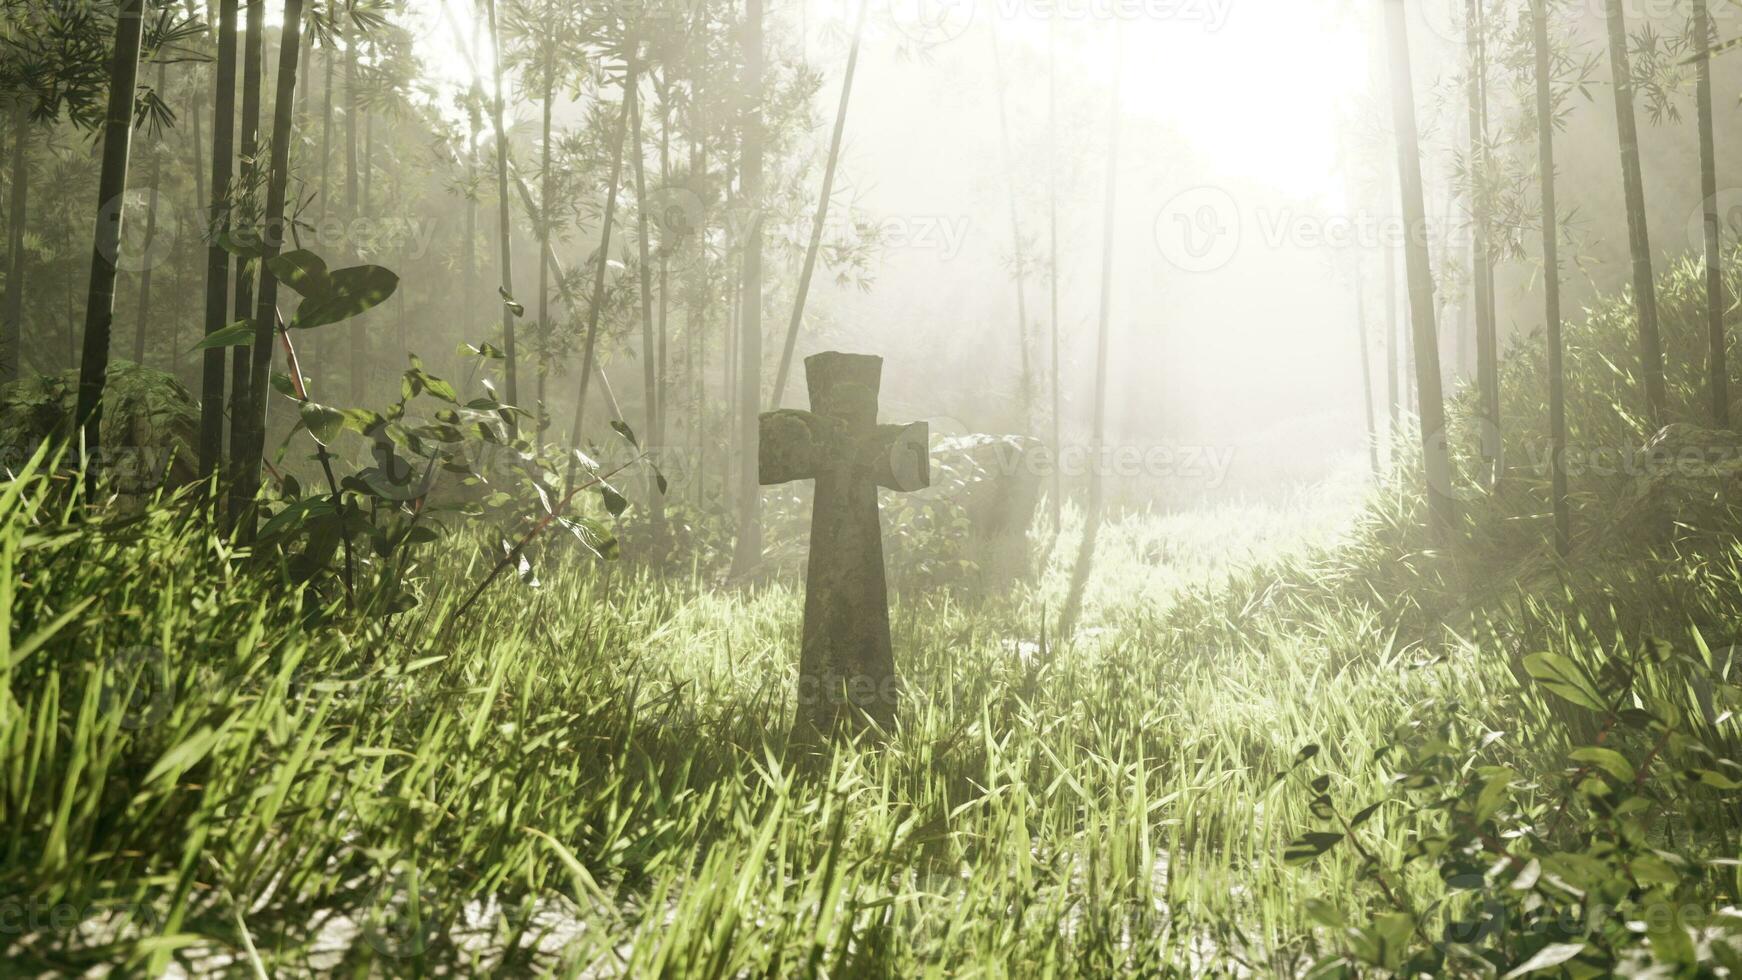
x: 589, y: 779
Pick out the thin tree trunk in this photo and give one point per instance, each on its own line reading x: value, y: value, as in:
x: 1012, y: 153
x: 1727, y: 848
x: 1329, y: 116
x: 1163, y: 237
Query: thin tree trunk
x: 328, y: 65
x: 198, y: 140
x: 253, y: 71
x: 111, y: 189
x: 816, y: 236
x: 218, y: 257
x: 11, y: 331
x: 1442, y: 510
x: 649, y: 370
x: 1393, y: 347
x: 1026, y: 397
x: 469, y: 256
x: 356, y: 333
x: 1052, y: 237
x: 1481, y: 265
x: 1551, y: 280
x: 748, y: 554
x: 1366, y: 368
x: 596, y: 303
x: 1104, y: 325
x: 154, y: 196
x: 659, y: 420
x: 1638, y: 240
x: 504, y: 227
x: 275, y: 229
x: 1717, y: 371
x: 546, y: 193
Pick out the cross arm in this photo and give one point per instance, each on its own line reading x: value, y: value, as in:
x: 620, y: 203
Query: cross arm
x: 902, y: 456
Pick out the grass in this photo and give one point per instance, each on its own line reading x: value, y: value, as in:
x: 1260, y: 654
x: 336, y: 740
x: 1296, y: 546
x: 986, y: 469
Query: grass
x: 588, y: 779
x: 202, y: 774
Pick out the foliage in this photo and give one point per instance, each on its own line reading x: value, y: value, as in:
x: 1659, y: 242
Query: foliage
x: 150, y: 425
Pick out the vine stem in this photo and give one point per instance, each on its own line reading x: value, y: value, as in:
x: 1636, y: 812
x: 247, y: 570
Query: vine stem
x: 326, y: 461
x: 529, y: 536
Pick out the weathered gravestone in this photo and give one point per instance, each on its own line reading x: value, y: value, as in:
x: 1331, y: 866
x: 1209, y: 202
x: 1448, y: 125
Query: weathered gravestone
x: 846, y: 666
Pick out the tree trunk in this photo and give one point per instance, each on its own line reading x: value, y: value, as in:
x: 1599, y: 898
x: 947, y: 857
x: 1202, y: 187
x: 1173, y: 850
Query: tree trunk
x: 1366, y: 368
x: 1052, y: 244
x: 1481, y: 264
x: 111, y: 193
x: 504, y: 223
x: 1436, y: 463
x: 217, y: 257
x: 253, y: 70
x: 748, y: 554
x: 275, y: 230
x: 197, y: 138
x: 659, y: 420
x: 1638, y: 240
x: 469, y: 257
x: 649, y: 370
x: 1716, y: 368
x: 1104, y: 325
x: 816, y: 237
x: 357, y: 335
x: 596, y: 302
x: 1393, y: 347
x: 1025, y: 397
x: 154, y: 196
x: 1551, y: 280
x: 12, y: 330
x: 546, y: 192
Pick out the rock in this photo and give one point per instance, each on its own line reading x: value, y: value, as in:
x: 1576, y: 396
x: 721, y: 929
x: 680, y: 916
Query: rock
x: 982, y: 503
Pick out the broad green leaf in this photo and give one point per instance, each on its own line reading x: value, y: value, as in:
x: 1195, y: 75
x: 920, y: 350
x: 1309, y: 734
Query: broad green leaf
x: 1712, y: 778
x: 1564, y: 678
x: 284, y: 385
x: 1547, y: 958
x: 488, y: 351
x: 518, y: 309
x: 1608, y: 760
x: 615, y: 503
x: 324, y: 422
x: 303, y: 271
x: 238, y: 334
x: 625, y: 431
x: 290, y: 516
x: 1309, y: 846
x: 352, y: 292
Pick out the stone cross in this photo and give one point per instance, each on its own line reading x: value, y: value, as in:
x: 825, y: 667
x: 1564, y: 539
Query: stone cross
x: 846, y: 666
